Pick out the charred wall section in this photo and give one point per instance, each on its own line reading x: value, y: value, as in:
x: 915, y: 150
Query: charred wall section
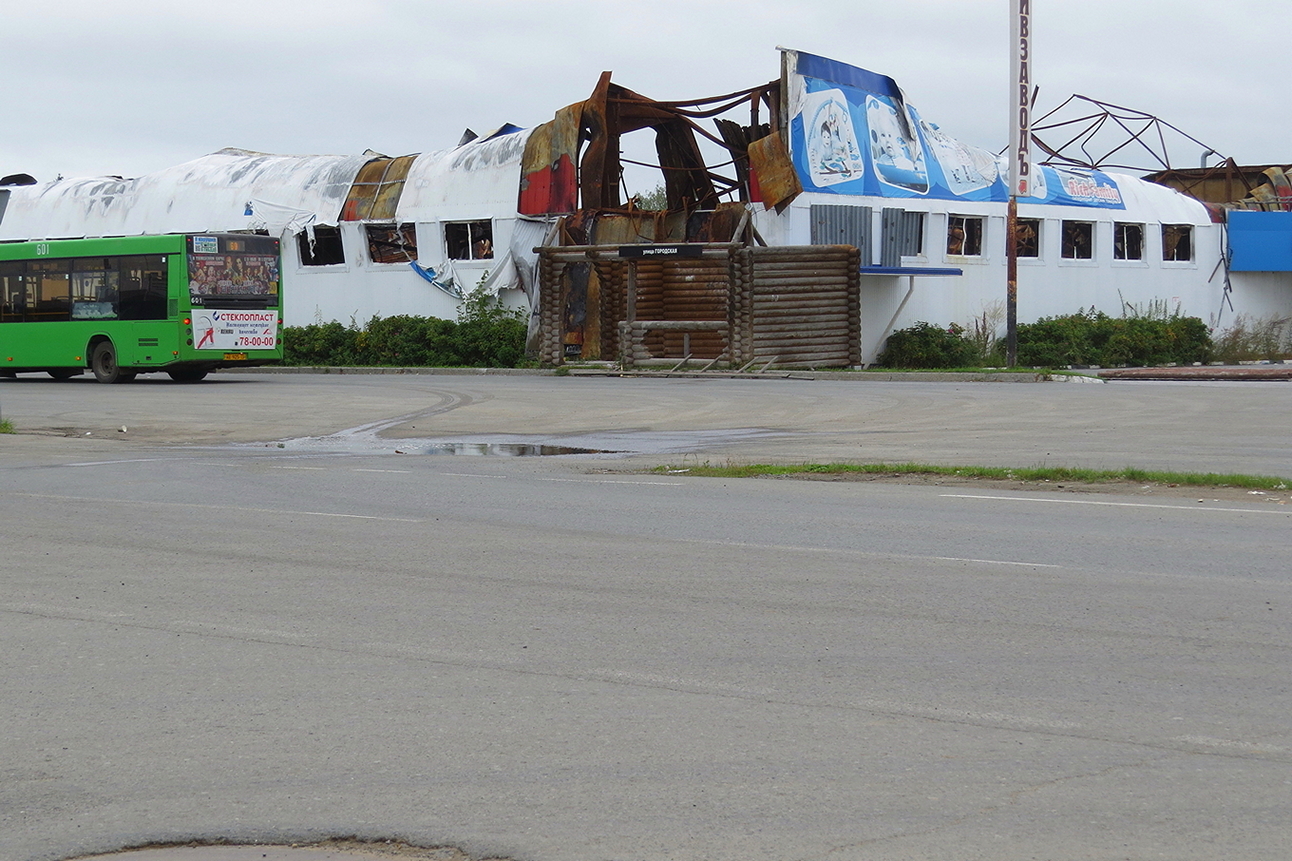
x: 794, y: 306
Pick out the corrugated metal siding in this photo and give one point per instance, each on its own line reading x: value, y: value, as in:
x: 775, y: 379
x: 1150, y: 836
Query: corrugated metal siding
x: 843, y: 225
x: 902, y: 235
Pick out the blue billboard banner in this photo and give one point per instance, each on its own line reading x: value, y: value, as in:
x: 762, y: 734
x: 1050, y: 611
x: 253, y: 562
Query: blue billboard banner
x: 1260, y: 241
x: 852, y: 132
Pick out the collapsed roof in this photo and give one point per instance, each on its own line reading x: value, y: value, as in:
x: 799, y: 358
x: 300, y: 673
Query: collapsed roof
x: 823, y: 126
x: 235, y: 189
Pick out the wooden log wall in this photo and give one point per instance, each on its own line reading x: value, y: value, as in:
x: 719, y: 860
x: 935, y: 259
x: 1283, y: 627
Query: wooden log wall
x: 635, y: 350
x: 692, y: 289
x: 804, y: 306
x: 612, y: 278
x: 650, y: 300
x: 550, y: 299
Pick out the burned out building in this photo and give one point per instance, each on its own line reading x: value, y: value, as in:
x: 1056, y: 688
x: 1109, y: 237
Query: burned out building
x: 802, y: 221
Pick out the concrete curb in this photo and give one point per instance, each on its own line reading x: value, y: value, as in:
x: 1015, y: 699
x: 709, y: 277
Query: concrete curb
x: 845, y: 376
x: 1093, y: 375
x: 358, y: 371
x: 1224, y: 372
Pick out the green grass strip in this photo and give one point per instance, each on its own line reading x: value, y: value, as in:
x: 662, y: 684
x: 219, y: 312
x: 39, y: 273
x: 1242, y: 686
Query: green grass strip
x: 6, y: 426
x: 1046, y: 473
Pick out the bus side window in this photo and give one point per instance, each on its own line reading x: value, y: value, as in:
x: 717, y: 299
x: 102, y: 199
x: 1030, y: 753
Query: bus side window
x: 94, y: 288
x: 143, y: 288
x: 13, y: 292
x: 52, y: 299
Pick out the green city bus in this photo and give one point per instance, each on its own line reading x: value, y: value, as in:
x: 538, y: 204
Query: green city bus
x: 183, y: 305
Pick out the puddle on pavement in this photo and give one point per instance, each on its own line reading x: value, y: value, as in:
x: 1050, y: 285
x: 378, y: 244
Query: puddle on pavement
x: 507, y: 449
x: 368, y: 440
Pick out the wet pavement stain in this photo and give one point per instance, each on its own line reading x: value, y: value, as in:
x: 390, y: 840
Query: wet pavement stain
x: 505, y: 449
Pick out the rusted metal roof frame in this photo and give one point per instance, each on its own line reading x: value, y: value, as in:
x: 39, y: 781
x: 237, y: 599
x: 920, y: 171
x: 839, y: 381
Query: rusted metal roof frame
x: 1188, y: 179
x: 690, y: 183
x: 378, y: 197
x: 1147, y: 127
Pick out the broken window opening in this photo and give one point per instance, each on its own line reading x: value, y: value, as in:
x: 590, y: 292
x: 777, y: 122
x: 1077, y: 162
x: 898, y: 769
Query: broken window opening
x: 324, y: 249
x: 1078, y: 240
x: 390, y: 243
x: 1128, y: 241
x: 1027, y: 238
x: 469, y: 240
x: 964, y: 236
x: 1177, y: 242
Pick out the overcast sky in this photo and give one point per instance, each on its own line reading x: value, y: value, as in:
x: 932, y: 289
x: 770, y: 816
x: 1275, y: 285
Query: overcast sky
x: 131, y: 86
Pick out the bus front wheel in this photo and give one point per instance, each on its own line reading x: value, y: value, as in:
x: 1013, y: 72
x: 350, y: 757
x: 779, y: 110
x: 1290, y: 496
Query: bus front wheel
x: 103, y: 361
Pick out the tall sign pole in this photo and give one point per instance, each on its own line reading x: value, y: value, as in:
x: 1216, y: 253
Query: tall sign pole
x: 1020, y: 150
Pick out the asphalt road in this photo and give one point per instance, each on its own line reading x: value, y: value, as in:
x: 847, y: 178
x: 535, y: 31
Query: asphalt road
x: 1204, y: 427
x: 246, y: 617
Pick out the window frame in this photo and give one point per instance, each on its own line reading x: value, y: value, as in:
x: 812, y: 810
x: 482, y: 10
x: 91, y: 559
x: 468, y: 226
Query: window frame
x: 1068, y: 227
x: 1038, y: 225
x: 1119, y: 241
x: 1186, y: 232
x: 972, y: 242
x: 478, y: 230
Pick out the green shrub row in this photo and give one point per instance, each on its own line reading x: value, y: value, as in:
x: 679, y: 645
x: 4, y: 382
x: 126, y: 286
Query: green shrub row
x: 1085, y: 338
x: 927, y: 346
x: 1094, y: 338
x: 485, y: 335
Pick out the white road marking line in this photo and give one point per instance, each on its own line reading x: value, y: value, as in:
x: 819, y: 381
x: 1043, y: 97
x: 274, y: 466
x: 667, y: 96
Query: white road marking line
x: 113, y: 462
x: 853, y: 551
x: 218, y: 629
x: 994, y: 562
x: 1115, y: 504
x: 64, y: 611
x: 238, y: 508
x: 1209, y: 741
x: 471, y: 475
x: 399, y: 471
x: 299, y: 467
